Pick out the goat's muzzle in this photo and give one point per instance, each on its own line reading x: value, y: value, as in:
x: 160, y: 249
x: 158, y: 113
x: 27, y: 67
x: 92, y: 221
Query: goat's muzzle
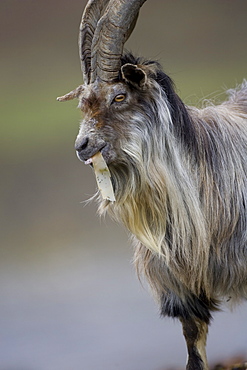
x: 86, y: 148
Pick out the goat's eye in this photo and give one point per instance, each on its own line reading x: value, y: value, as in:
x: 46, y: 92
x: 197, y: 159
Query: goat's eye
x: 119, y: 98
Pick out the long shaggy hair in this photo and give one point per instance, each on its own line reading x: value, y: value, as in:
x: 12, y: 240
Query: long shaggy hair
x: 181, y: 189
x: 179, y: 173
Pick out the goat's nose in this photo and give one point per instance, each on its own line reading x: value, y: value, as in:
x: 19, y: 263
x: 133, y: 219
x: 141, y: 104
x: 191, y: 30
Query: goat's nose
x: 81, y: 144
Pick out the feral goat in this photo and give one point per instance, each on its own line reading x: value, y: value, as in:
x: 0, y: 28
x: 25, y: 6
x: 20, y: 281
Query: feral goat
x: 179, y: 173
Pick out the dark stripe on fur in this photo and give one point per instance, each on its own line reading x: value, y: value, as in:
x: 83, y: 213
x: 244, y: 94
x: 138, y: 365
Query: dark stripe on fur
x: 191, y: 306
x: 183, y: 126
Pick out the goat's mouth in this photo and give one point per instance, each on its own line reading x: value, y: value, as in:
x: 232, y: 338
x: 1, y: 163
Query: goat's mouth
x: 87, y: 159
x: 90, y: 159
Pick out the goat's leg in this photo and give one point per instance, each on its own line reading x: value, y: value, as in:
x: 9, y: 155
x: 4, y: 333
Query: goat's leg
x: 195, y: 333
x: 194, y: 313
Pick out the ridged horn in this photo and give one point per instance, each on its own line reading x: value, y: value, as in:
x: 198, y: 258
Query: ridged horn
x: 112, y: 31
x: 90, y: 17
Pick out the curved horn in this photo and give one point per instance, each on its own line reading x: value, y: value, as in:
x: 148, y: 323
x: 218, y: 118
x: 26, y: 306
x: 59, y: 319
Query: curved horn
x: 112, y: 31
x: 90, y: 17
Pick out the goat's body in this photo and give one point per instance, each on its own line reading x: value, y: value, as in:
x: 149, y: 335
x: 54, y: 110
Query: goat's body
x: 179, y: 173
x: 180, y: 181
x: 187, y: 203
x: 219, y: 175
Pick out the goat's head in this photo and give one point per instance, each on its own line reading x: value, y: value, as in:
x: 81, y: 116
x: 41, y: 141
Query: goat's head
x: 114, y: 85
x: 111, y: 112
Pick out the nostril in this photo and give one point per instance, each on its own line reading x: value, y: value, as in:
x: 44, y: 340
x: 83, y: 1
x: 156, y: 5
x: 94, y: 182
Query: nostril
x: 82, y: 145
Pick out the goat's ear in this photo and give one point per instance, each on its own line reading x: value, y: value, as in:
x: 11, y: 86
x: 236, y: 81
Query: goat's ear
x: 134, y: 75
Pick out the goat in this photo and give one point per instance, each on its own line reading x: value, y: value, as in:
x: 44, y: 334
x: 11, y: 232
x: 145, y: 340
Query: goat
x: 179, y: 173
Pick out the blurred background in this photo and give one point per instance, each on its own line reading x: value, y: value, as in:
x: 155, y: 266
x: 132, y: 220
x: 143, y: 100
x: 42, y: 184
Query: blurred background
x: 69, y: 296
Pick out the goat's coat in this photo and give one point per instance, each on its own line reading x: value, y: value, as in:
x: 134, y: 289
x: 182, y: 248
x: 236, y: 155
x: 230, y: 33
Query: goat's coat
x: 180, y: 180
x: 179, y: 173
x: 181, y: 189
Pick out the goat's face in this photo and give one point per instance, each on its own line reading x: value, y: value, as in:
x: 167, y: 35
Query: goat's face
x: 108, y: 110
